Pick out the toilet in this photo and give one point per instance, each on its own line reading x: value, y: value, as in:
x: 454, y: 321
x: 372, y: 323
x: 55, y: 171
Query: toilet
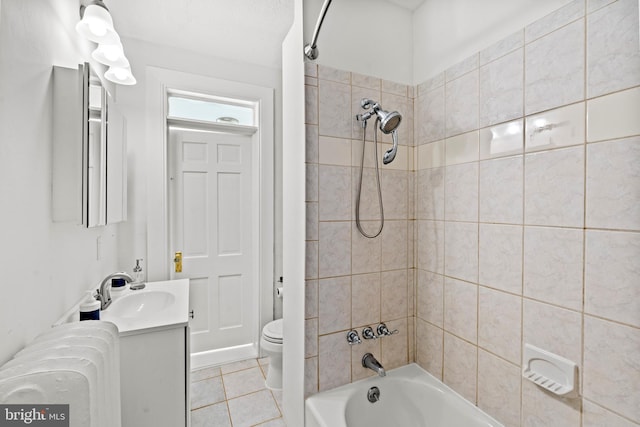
x: 271, y: 343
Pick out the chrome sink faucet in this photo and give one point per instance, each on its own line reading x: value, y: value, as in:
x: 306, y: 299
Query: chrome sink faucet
x: 368, y: 361
x: 104, y: 292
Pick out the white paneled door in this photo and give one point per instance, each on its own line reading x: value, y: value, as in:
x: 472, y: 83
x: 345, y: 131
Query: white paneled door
x: 213, y: 221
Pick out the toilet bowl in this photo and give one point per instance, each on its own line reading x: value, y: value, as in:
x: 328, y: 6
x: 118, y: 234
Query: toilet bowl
x: 271, y: 343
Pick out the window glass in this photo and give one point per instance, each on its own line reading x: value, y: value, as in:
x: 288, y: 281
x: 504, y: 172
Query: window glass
x: 210, y: 111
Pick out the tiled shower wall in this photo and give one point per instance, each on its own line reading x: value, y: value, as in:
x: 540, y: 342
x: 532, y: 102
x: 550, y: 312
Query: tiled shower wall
x: 352, y: 281
x: 528, y: 217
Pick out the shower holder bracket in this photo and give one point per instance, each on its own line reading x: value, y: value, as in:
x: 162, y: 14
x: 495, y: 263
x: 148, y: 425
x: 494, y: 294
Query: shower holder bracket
x: 550, y: 371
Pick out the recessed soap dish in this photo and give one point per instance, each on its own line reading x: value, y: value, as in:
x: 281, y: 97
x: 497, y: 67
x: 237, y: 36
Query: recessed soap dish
x: 550, y: 371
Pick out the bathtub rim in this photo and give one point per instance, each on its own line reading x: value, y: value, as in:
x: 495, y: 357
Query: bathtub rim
x: 334, y: 401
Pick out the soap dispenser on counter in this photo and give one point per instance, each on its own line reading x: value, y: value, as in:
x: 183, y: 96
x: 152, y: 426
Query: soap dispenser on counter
x: 138, y: 277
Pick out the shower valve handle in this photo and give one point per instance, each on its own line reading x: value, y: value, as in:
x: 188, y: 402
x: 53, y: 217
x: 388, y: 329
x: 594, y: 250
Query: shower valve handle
x: 368, y: 334
x: 353, y: 337
x: 384, y: 331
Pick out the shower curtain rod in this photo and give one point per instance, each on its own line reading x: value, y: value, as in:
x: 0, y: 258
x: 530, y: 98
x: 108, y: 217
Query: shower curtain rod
x: 310, y: 49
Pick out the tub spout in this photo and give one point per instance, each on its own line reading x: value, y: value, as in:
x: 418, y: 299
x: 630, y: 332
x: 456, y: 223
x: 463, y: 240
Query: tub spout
x: 369, y: 361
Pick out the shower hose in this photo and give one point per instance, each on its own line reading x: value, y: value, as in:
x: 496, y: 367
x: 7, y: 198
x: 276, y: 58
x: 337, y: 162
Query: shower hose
x: 359, y: 192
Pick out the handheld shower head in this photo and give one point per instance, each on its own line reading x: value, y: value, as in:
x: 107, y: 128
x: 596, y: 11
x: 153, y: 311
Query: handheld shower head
x: 390, y: 154
x: 389, y: 121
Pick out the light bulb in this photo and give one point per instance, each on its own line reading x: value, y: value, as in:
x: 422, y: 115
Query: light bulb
x: 120, y: 73
x: 97, y: 28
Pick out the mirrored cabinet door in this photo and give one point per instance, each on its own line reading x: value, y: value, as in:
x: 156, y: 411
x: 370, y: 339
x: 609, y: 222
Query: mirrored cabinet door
x: 89, y: 150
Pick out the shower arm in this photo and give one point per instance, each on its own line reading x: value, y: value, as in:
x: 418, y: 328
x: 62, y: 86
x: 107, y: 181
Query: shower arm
x: 310, y: 49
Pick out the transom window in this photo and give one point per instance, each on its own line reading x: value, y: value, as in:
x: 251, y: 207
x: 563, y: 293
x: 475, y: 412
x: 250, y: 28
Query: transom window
x: 213, y: 110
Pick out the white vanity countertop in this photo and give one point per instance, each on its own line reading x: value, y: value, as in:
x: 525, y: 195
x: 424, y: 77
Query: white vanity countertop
x: 140, y: 319
x: 175, y: 315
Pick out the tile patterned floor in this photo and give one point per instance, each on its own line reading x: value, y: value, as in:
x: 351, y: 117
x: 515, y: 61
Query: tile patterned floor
x: 234, y: 395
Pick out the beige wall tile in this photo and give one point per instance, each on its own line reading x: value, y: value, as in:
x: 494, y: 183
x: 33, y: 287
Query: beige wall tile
x: 334, y: 361
x: 612, y: 276
x: 461, y: 250
x: 462, y: 148
x: 334, y: 304
x: 613, y: 52
x: 499, y: 323
x: 365, y: 302
x: 460, y: 359
x: 553, y: 265
x: 461, y: 309
x: 461, y: 192
x: 334, y: 251
x: 501, y: 192
x: 500, y: 257
x: 501, y: 140
x: 334, y: 109
x: 365, y: 252
x: 430, y: 246
x: 611, y: 368
x: 613, y: 193
x: 499, y: 388
x: 430, y: 300
x: 553, y: 329
x: 554, y: 188
x: 429, y: 347
x: 561, y: 127
x: 540, y: 408
x: 461, y: 100
x: 597, y: 416
x: 393, y: 298
x: 554, y: 69
x: 613, y: 116
x: 501, y: 89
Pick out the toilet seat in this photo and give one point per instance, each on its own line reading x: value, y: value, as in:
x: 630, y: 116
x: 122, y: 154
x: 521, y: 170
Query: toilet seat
x: 272, y: 332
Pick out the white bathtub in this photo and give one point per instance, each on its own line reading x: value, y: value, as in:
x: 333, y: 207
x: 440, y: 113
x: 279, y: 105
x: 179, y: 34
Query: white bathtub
x: 409, y: 397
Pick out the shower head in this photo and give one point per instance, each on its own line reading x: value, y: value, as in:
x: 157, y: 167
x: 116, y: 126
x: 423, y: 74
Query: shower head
x: 389, y: 121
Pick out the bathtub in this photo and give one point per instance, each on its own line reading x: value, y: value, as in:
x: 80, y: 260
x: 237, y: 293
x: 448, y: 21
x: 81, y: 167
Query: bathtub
x: 409, y: 397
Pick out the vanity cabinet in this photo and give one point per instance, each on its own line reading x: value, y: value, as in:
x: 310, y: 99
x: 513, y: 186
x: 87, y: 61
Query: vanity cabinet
x: 154, y: 381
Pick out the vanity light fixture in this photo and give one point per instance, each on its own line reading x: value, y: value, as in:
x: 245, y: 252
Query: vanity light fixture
x: 96, y: 25
x: 111, y: 55
x: 120, y: 75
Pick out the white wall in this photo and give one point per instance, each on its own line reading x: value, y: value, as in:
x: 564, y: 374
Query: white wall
x: 448, y: 31
x: 371, y: 37
x: 293, y: 232
x: 46, y: 267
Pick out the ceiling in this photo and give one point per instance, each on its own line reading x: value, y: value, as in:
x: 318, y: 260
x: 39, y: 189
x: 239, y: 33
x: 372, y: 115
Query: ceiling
x: 242, y: 30
x: 408, y: 4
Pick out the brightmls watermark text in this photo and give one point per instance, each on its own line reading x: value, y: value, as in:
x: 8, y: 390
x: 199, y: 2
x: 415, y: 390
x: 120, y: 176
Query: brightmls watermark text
x: 34, y: 415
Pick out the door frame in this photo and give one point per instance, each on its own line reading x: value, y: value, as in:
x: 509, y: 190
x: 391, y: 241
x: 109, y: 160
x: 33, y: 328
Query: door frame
x: 159, y: 82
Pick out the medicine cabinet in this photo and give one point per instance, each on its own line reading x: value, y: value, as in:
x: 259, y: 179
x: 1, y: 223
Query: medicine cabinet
x: 89, y: 150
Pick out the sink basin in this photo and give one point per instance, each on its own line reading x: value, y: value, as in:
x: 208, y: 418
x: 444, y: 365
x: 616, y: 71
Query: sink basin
x: 141, y: 303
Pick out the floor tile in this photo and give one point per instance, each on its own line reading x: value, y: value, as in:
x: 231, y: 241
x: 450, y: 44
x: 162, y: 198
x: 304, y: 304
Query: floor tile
x: 211, y: 416
x: 238, y: 366
x: 243, y: 382
x: 278, y: 422
x: 253, y: 409
x: 206, y: 392
x: 202, y: 374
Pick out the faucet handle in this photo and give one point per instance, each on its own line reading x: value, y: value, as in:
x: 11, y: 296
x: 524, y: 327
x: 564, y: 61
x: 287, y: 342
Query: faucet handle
x: 353, y: 337
x: 384, y: 331
x: 368, y: 334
